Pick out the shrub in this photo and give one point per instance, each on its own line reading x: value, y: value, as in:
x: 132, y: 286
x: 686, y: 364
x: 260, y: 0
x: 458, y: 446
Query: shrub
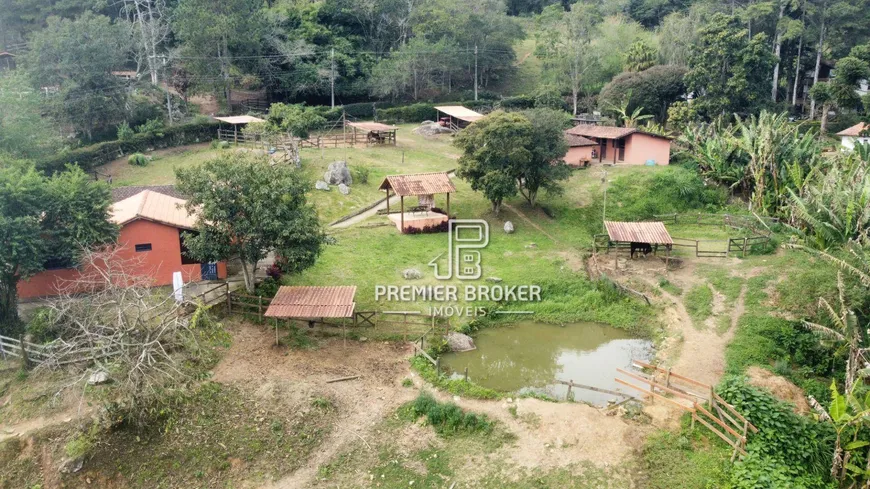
x: 41, y: 328
x: 274, y: 272
x: 138, y: 159
x: 409, y: 113
x: 125, y: 132
x: 519, y: 102
x: 361, y: 173
x: 268, y: 287
x: 672, y: 189
x: 151, y: 126
x: 95, y: 155
x: 447, y: 418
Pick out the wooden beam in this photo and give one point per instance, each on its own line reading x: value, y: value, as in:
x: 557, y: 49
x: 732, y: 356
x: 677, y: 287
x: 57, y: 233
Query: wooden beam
x: 656, y: 394
x: 448, y: 205
x: 402, y: 216
x: 388, y: 201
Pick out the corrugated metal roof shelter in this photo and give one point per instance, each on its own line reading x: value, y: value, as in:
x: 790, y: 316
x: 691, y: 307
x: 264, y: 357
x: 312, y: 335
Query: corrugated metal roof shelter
x: 153, y: 206
x: 298, y: 302
x: 638, y: 232
x: 239, y: 119
x: 457, y: 116
x: 422, y: 185
x: 376, y: 133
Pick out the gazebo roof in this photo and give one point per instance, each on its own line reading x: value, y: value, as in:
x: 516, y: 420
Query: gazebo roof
x: 313, y: 302
x: 372, y: 126
x: 638, y: 232
x: 460, y: 112
x: 419, y: 184
x: 239, y: 119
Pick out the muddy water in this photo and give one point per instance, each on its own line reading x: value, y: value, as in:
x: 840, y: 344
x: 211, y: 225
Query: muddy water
x: 530, y: 357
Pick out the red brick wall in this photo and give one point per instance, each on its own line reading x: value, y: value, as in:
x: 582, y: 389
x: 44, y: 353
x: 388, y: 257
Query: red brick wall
x: 642, y: 147
x: 159, y: 263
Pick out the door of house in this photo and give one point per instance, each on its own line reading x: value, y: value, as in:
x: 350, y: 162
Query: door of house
x: 603, y: 155
x: 620, y: 149
x: 209, y: 271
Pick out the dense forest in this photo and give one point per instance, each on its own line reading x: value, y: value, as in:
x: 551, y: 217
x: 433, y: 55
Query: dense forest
x: 734, y: 57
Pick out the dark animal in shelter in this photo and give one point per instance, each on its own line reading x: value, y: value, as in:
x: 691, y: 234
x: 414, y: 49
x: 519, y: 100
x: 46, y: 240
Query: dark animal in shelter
x: 644, y: 248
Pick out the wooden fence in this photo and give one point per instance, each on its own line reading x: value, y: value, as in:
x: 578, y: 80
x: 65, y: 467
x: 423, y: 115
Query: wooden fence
x: 692, y: 396
x: 21, y: 349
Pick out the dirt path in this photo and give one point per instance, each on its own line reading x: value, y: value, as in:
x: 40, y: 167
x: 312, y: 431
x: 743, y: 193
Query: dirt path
x: 361, y: 403
x: 394, y: 202
x: 28, y: 426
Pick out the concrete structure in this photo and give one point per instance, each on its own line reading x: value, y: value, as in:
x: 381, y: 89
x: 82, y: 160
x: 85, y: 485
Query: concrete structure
x: 859, y: 133
x: 622, y: 145
x: 150, y: 238
x: 581, y: 151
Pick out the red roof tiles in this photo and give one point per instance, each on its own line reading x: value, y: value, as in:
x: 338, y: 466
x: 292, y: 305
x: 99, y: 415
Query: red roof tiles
x: 313, y: 302
x: 601, y: 132
x: 575, y: 141
x: 856, y: 130
x: 419, y: 184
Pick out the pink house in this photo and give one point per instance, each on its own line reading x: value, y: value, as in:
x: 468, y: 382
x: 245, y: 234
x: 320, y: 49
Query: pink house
x: 617, y: 145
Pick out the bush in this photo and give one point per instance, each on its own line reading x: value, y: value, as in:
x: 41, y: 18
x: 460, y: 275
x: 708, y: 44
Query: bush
x: 447, y: 418
x: 268, y: 287
x: 519, y: 102
x: 361, y: 173
x: 125, y: 133
x: 138, y: 159
x: 41, y: 328
x: 408, y: 113
x: 95, y: 155
x: 151, y: 126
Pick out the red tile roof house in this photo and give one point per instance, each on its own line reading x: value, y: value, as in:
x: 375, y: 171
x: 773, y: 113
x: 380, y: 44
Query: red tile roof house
x: 151, y: 225
x: 617, y: 145
x: 859, y: 133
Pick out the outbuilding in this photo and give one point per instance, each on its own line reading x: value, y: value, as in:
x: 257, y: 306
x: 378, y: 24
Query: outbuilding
x: 424, y: 186
x: 857, y: 134
x: 456, y: 117
x: 624, y: 145
x: 151, y: 238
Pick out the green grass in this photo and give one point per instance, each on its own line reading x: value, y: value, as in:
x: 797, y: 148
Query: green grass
x: 679, y: 459
x: 457, y: 387
x: 670, y: 288
x: 722, y: 280
x: 699, y: 304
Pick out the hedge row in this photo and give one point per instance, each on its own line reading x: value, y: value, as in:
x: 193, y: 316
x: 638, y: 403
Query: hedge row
x: 95, y: 155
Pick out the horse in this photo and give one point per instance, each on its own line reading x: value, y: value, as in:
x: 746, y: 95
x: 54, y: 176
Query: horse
x: 644, y: 248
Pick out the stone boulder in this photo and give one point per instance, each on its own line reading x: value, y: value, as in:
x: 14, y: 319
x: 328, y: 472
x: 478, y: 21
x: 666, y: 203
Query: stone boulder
x: 344, y: 189
x: 98, y: 377
x: 337, y: 172
x: 509, y: 227
x: 460, y: 342
x: 412, y: 274
x: 321, y: 185
x: 430, y: 129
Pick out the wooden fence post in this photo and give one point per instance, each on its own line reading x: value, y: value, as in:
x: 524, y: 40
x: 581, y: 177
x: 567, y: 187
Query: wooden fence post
x: 744, y: 247
x: 466, y: 374
x: 229, y: 300
x: 568, y: 394
x: 438, y: 366
x: 260, y: 307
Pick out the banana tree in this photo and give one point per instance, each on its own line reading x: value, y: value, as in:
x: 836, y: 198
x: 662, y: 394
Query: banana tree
x: 849, y: 415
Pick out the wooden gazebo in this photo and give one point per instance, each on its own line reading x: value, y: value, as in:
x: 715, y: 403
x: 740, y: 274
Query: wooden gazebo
x: 375, y: 132
x: 424, y: 186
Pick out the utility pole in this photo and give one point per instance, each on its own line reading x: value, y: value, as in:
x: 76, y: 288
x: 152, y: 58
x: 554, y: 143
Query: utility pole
x: 332, y: 77
x: 475, y: 72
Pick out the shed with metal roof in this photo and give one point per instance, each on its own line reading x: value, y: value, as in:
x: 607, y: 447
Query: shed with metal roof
x: 456, y: 116
x: 375, y: 132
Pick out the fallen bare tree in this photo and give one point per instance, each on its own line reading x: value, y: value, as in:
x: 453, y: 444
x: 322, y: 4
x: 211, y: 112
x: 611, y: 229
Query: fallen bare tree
x: 111, y: 325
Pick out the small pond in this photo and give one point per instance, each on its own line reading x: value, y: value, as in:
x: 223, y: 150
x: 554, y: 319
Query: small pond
x: 530, y: 356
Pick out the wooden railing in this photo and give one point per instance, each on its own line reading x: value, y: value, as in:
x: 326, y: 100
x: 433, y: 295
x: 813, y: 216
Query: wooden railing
x: 692, y: 396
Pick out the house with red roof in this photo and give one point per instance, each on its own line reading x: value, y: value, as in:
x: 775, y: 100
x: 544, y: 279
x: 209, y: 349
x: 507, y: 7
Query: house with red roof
x: 616, y: 145
x: 152, y: 224
x: 857, y: 134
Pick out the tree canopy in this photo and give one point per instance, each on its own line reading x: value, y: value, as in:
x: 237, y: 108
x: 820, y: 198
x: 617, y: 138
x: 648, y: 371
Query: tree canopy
x: 247, y: 208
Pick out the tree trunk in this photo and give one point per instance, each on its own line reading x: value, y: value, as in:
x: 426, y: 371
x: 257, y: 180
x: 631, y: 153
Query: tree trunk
x: 776, y: 51
x: 10, y: 324
x: 823, y: 129
x: 248, y: 270
x: 496, y: 206
x: 797, y: 68
x: 818, y: 61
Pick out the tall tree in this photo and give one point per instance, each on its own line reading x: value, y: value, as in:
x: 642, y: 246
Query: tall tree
x: 493, y: 148
x: 211, y: 34
x: 24, y: 132
x: 545, y: 168
x: 45, y: 220
x: 149, y: 20
x: 729, y: 72
x: 248, y: 208
x: 640, y: 56
x: 78, y: 56
x: 654, y: 89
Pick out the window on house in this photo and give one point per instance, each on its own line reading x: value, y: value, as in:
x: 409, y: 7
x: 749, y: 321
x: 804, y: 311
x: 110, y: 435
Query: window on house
x: 185, y: 260
x: 56, y: 263
x: 143, y: 247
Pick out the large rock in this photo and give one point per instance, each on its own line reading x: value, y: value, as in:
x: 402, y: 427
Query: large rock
x: 460, y: 342
x: 71, y: 465
x: 429, y: 129
x: 344, y: 189
x: 98, y: 377
x: 509, y: 227
x: 337, y: 172
x: 321, y: 185
x: 412, y: 274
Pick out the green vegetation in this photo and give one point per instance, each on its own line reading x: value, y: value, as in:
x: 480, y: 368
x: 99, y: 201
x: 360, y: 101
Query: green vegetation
x: 457, y: 387
x: 684, y: 459
x: 447, y: 418
x: 699, y: 304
